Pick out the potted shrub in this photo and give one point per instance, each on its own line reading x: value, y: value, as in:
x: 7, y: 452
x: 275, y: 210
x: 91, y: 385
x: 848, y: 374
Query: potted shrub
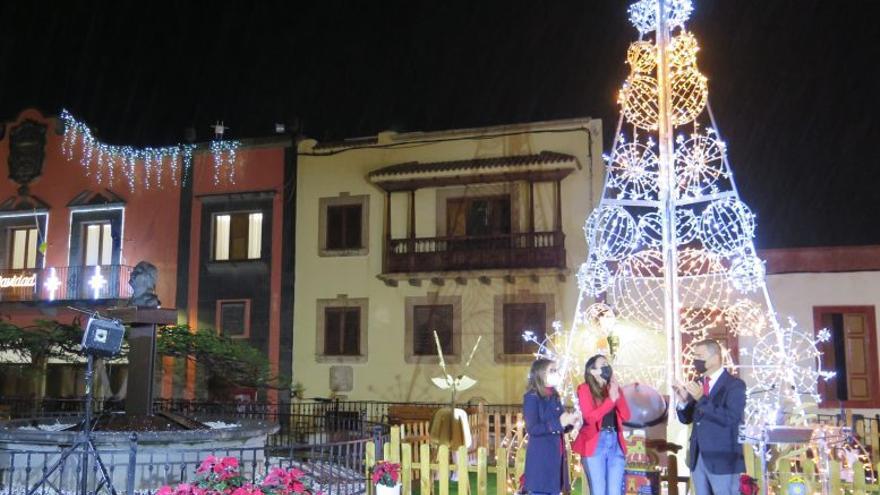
x: 386, y: 477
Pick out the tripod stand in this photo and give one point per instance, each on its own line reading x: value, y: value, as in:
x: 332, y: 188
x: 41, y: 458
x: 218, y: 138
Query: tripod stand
x: 84, y: 445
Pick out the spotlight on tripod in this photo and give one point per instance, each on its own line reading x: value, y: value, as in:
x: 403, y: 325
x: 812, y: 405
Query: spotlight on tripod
x: 102, y: 338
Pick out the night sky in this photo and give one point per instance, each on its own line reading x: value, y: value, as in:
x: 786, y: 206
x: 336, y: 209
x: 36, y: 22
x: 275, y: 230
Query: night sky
x: 790, y: 81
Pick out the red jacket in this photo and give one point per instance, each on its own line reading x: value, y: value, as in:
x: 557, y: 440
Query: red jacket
x: 588, y: 436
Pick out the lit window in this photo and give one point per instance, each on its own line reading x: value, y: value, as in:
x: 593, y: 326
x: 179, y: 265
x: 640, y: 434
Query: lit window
x: 24, y: 249
x: 238, y: 236
x: 98, y: 244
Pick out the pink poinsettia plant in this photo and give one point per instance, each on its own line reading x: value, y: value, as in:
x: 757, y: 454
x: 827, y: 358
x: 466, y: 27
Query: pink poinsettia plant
x: 222, y: 476
x: 386, y: 473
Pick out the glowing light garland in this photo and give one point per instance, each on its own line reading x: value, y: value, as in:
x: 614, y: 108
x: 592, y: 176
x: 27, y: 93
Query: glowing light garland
x: 656, y: 182
x: 152, y: 166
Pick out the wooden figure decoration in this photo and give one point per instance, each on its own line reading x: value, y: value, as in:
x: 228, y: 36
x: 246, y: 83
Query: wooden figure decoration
x: 449, y: 425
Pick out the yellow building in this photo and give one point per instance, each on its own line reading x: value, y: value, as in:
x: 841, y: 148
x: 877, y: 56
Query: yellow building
x: 469, y: 232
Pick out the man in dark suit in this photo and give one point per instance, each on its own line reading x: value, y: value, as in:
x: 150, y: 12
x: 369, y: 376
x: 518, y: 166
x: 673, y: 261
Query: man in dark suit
x: 714, y: 405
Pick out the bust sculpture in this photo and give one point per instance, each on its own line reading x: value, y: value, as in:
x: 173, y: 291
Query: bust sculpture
x: 143, y: 285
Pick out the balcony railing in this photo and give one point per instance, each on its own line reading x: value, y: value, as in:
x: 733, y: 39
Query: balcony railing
x: 66, y: 283
x: 438, y: 254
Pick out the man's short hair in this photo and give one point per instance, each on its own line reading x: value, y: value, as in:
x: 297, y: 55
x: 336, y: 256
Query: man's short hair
x: 710, y: 344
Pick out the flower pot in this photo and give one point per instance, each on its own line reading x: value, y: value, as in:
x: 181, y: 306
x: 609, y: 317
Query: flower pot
x: 387, y: 490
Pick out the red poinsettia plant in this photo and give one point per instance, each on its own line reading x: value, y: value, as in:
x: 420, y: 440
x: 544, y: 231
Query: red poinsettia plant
x: 221, y: 476
x: 386, y: 473
x: 748, y: 485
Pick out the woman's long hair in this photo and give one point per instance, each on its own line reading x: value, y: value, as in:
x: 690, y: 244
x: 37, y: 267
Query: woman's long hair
x: 536, y: 377
x: 597, y: 390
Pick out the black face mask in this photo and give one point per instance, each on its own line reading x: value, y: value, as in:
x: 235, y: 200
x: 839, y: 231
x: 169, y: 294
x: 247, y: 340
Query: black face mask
x: 605, y: 372
x: 700, y: 366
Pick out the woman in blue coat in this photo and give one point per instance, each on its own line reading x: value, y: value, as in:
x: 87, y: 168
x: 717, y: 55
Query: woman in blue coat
x: 546, y: 423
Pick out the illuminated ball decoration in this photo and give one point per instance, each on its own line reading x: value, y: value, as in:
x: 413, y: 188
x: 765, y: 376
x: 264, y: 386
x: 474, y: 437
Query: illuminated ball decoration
x: 613, y: 232
x: 682, y: 50
x: 747, y: 273
x: 689, y: 93
x: 642, y: 57
x: 638, y: 100
x: 651, y: 229
x: 643, y: 14
x: 633, y: 169
x: 745, y: 318
x: 600, y: 316
x: 726, y: 226
x: 637, y: 289
x: 594, y: 277
x: 699, y: 163
x: 687, y: 226
x: 702, y: 284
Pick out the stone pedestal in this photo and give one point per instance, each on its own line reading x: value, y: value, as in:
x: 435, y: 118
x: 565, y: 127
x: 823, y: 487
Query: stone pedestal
x: 143, y: 323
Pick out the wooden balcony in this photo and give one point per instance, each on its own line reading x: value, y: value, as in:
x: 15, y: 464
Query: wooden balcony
x: 443, y: 254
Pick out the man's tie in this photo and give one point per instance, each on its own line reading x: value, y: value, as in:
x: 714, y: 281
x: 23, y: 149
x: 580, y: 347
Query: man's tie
x: 706, y: 380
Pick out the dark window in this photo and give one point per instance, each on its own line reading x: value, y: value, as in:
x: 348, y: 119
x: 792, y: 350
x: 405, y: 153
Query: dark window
x: 428, y: 319
x: 520, y: 318
x: 851, y: 352
x: 475, y: 217
x: 238, y: 236
x: 344, y: 227
x: 342, y: 331
x: 233, y: 316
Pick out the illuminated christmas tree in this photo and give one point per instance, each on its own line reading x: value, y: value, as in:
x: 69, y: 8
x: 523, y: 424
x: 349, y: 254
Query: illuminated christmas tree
x: 671, y: 246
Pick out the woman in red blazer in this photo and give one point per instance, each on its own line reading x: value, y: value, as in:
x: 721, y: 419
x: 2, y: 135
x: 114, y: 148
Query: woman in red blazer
x: 600, y: 440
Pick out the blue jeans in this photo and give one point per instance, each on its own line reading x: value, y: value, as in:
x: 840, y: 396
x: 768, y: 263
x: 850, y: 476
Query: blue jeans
x: 605, y: 468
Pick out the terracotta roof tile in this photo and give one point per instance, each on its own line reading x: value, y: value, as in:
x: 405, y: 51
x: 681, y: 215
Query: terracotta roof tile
x: 347, y: 143
x: 542, y: 158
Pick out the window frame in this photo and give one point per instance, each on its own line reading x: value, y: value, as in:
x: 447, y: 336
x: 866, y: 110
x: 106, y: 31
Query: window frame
x: 872, y: 355
x: 342, y: 301
x: 231, y: 213
x: 344, y: 311
x: 504, y: 313
x: 549, y: 301
x: 218, y: 318
x: 433, y: 346
x: 10, y: 258
x: 432, y: 299
x: 344, y: 199
x: 84, y: 241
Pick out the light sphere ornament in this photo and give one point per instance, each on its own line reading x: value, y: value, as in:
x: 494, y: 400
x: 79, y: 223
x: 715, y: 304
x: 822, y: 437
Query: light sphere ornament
x: 747, y: 273
x: 613, y: 232
x: 745, y: 318
x: 699, y: 164
x: 594, y: 277
x: 687, y: 226
x: 689, y: 93
x: 643, y: 14
x: 637, y: 289
x: 639, y: 103
x: 788, y: 360
x: 651, y: 229
x: 634, y: 169
x: 642, y: 56
x: 702, y: 284
x: 600, y: 316
x: 683, y: 50
x: 726, y: 226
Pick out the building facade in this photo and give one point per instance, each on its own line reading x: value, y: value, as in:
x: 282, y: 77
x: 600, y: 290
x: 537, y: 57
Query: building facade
x: 72, y: 226
x: 472, y: 234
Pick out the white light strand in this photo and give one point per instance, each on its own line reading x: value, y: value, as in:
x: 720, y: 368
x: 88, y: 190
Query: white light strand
x: 100, y: 160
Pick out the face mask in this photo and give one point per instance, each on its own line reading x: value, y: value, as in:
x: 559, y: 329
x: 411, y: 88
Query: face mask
x: 606, y: 372
x: 553, y: 380
x: 700, y: 366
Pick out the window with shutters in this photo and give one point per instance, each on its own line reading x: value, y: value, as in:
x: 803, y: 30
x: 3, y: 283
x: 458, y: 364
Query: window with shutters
x: 233, y: 318
x: 520, y: 318
x: 429, y: 314
x: 478, y: 216
x: 851, y: 352
x: 343, y: 226
x: 516, y: 314
x: 430, y: 318
x: 341, y: 333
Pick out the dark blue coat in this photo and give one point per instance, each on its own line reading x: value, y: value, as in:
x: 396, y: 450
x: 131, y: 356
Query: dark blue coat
x: 546, y: 466
x: 716, y: 421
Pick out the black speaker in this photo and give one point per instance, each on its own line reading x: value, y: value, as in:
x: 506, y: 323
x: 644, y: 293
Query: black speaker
x: 103, y: 337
